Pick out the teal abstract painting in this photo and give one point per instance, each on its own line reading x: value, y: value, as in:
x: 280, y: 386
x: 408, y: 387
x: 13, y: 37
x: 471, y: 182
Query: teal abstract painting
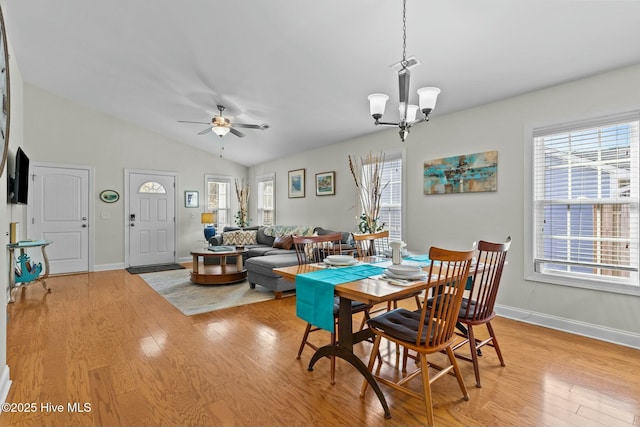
x: 470, y: 173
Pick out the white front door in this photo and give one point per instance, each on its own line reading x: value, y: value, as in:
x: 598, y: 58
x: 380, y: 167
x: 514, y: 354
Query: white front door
x: 151, y: 219
x: 60, y: 213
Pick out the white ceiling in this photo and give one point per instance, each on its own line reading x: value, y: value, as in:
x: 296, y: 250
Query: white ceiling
x: 305, y: 67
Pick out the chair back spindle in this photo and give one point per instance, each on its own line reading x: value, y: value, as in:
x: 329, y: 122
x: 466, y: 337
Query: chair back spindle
x: 314, y: 249
x: 437, y: 322
x: 372, y: 244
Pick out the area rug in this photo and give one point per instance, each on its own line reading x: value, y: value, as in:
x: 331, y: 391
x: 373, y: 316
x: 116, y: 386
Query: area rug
x: 191, y: 299
x: 154, y: 268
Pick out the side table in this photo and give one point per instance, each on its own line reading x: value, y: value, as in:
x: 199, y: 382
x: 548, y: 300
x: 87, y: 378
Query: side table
x: 27, y: 274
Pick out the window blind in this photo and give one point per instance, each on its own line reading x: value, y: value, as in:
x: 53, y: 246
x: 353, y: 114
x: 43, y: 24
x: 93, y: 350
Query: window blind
x: 218, y: 199
x: 266, y: 206
x: 391, y: 201
x: 586, y: 199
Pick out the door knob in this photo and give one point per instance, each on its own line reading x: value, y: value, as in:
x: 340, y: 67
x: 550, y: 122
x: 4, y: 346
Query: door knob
x: 84, y: 225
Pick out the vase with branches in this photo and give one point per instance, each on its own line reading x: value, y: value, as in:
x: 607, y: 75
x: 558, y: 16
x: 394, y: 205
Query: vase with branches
x: 242, y: 192
x: 367, y: 174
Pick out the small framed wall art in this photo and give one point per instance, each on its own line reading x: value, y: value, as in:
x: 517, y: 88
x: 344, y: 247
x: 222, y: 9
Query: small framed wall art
x: 326, y: 183
x: 109, y: 196
x: 191, y: 199
x: 296, y: 183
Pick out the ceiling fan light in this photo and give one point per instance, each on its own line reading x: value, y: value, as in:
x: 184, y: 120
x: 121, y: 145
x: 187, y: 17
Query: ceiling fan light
x: 377, y: 103
x: 220, y: 130
x: 428, y: 97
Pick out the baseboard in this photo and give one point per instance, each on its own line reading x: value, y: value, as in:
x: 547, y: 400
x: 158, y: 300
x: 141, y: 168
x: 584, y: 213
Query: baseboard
x: 5, y: 384
x: 107, y: 267
x: 599, y: 332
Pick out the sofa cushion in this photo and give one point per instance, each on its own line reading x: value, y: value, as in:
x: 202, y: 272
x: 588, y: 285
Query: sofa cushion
x: 258, y: 251
x: 346, y: 237
x: 283, y: 242
x: 266, y: 250
x: 239, y: 237
x: 265, y: 264
x: 263, y: 239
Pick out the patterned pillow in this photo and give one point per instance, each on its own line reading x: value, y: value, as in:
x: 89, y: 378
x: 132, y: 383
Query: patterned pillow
x: 239, y: 237
x: 281, y: 230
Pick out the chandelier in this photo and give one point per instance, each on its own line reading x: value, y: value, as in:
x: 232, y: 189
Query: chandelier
x: 427, y: 95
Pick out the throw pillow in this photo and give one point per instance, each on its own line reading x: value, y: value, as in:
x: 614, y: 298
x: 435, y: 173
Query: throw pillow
x: 283, y: 242
x: 239, y: 237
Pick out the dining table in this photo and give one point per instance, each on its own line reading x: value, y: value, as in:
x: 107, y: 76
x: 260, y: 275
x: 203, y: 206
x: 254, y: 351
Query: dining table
x: 371, y: 290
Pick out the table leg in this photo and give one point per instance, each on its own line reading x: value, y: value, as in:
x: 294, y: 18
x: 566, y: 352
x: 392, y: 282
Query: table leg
x: 194, y: 266
x: 46, y: 269
x: 344, y: 350
x: 12, y: 277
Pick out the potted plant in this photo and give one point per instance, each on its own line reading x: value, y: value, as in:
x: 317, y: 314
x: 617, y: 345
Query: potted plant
x: 367, y: 175
x: 242, y: 192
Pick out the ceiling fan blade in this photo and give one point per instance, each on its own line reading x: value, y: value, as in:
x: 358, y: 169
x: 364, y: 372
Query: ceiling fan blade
x: 236, y: 132
x: 261, y: 127
x: 200, y: 123
x: 207, y: 130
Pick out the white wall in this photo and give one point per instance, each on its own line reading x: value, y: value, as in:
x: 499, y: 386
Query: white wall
x: 60, y: 131
x: 9, y: 213
x: 455, y: 220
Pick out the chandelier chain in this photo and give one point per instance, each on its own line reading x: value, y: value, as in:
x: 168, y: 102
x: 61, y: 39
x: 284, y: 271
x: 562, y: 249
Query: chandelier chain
x: 404, y: 33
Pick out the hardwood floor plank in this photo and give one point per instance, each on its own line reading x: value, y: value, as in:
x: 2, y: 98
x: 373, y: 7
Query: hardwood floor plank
x: 108, y: 339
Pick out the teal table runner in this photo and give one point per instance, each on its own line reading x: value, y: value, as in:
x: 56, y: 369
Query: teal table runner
x: 423, y: 260
x: 315, y: 292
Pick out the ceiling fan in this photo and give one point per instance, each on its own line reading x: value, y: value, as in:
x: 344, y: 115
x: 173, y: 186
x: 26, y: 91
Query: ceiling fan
x: 221, y: 125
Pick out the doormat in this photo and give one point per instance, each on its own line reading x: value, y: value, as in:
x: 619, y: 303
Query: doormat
x: 154, y: 268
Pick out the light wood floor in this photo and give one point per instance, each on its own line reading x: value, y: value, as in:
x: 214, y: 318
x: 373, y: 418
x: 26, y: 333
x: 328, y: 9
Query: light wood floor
x: 109, y: 340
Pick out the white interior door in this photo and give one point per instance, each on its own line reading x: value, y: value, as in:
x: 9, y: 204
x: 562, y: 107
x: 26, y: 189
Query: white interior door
x: 151, y: 219
x: 60, y: 213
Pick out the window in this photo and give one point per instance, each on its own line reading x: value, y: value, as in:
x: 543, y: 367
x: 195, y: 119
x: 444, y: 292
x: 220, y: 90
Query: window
x: 266, y: 200
x: 152, y: 187
x: 585, y: 198
x: 391, y: 200
x: 218, y: 192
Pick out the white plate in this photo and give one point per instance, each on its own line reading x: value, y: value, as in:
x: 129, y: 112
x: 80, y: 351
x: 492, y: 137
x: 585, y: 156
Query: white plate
x: 405, y: 269
x: 415, y: 276
x: 340, y: 258
x: 353, y: 261
x: 398, y: 282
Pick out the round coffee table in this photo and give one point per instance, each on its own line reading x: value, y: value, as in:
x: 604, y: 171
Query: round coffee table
x: 220, y: 274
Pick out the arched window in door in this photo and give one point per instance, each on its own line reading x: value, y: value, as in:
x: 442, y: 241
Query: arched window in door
x: 152, y: 187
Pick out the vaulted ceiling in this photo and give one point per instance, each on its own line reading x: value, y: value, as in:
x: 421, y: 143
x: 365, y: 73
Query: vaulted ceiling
x: 305, y: 67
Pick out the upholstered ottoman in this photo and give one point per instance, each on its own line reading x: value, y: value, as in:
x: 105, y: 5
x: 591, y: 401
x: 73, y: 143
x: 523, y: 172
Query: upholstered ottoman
x: 260, y: 272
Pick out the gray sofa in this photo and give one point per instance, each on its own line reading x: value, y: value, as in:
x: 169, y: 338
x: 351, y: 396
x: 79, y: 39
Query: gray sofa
x: 262, y: 257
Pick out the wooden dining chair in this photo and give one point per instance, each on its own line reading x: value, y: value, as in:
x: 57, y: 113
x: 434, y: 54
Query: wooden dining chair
x: 478, y: 304
x: 313, y: 249
x: 428, y: 330
x: 377, y: 244
x: 372, y: 244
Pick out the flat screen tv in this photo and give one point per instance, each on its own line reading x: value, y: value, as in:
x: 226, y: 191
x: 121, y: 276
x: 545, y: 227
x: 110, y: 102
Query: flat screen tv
x: 19, y: 186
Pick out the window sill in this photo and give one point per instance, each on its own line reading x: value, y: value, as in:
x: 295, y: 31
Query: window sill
x: 610, y: 287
